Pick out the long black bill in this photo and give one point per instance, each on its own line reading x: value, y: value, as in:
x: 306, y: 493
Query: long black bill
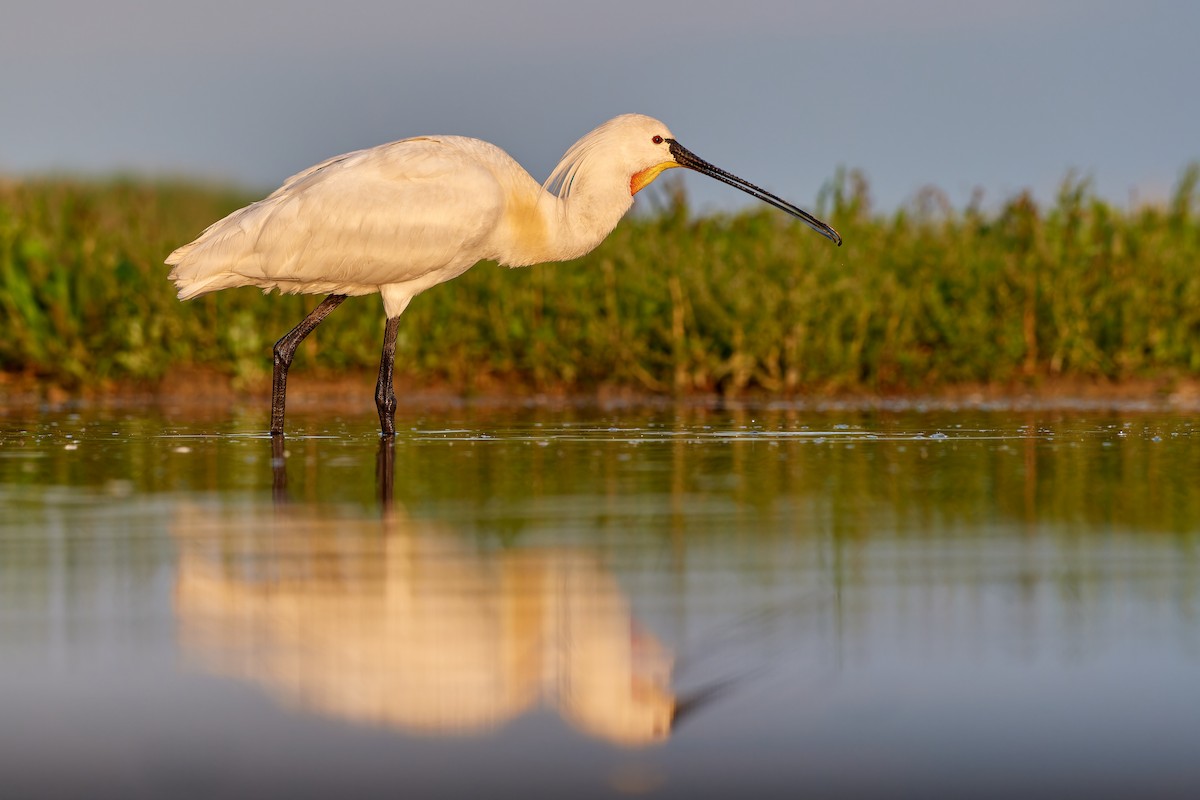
x: 686, y: 158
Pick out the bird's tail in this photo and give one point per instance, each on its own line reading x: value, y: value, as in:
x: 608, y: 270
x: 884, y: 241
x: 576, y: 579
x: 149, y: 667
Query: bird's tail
x: 205, y: 264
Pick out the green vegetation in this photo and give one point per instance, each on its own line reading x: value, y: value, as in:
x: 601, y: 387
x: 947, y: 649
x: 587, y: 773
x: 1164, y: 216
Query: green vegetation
x: 926, y: 296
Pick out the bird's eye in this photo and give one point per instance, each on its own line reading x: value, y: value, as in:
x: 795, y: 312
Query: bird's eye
x: 657, y: 139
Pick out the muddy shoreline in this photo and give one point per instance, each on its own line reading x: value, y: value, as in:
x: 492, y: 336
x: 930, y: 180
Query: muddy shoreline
x: 197, y: 389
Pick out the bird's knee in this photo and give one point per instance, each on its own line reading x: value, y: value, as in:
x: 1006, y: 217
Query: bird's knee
x: 386, y: 403
x: 283, y: 354
x: 385, y: 399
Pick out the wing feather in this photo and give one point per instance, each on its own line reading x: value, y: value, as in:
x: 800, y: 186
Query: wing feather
x: 391, y: 214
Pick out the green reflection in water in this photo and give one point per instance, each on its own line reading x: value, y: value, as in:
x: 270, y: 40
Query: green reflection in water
x: 675, y: 475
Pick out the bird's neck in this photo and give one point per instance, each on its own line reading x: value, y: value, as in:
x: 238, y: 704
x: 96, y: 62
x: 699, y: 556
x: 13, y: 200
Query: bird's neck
x: 541, y: 227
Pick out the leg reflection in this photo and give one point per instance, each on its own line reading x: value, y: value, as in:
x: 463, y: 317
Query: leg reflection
x: 385, y: 459
x: 278, y: 470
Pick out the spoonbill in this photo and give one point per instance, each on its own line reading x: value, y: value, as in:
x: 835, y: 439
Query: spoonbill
x: 402, y: 217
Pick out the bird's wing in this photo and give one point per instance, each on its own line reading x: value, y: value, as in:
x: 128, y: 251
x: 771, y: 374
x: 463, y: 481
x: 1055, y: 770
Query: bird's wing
x: 390, y: 214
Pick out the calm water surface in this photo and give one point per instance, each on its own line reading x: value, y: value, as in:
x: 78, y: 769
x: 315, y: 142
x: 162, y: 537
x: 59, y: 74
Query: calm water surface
x: 673, y: 603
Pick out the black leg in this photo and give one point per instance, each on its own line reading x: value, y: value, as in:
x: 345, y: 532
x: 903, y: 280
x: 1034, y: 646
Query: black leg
x: 385, y: 395
x: 285, y: 348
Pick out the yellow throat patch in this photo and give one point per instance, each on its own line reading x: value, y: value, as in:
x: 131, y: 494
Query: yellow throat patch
x: 641, y: 180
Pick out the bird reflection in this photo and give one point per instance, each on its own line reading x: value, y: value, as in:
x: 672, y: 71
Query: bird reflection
x: 398, y: 622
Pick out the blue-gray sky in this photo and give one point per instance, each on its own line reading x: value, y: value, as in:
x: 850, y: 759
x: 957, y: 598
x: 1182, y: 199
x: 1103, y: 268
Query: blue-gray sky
x: 1002, y: 95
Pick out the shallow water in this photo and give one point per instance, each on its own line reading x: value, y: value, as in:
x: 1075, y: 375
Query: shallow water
x: 576, y: 602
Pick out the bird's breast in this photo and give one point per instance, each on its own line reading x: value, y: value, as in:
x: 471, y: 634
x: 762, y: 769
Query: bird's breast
x: 526, y: 231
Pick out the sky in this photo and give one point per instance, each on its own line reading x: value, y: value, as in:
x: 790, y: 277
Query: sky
x: 1001, y: 96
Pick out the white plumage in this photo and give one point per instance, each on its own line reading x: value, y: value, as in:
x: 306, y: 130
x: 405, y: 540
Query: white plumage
x: 402, y: 217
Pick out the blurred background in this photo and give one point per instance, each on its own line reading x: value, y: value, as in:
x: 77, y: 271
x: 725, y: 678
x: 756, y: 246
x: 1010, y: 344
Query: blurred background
x: 956, y: 93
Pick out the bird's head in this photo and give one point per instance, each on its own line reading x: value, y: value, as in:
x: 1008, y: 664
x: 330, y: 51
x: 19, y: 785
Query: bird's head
x: 648, y: 148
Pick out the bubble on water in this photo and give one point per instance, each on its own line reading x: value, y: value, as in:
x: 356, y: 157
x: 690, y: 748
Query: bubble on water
x: 939, y: 435
x: 183, y: 448
x: 71, y: 446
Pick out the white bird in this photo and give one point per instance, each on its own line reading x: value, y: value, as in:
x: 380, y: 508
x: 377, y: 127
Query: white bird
x: 402, y: 217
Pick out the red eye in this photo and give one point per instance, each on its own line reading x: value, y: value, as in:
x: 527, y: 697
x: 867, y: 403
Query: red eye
x: 657, y: 139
